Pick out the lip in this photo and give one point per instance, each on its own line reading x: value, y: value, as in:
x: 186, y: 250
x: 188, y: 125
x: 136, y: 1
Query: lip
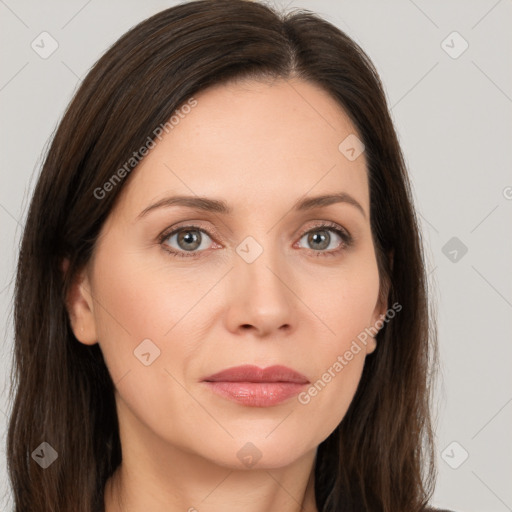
x: 257, y: 387
x: 251, y: 373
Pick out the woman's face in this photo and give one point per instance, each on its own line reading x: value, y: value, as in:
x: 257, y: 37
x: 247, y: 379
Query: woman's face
x: 263, y: 284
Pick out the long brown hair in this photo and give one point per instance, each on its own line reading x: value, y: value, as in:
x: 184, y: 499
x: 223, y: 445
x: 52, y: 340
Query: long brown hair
x: 381, y: 456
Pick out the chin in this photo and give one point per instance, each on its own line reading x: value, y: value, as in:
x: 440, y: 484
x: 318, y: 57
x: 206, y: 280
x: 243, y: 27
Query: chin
x: 261, y: 452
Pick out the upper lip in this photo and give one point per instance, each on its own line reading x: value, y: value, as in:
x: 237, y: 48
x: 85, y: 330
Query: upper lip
x: 251, y: 373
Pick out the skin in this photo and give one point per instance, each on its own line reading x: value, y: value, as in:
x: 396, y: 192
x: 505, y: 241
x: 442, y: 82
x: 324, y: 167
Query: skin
x: 260, y: 147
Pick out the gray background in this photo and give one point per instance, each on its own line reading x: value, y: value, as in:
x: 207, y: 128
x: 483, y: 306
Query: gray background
x: 453, y: 117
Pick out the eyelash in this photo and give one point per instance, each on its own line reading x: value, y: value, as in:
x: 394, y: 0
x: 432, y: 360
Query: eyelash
x: 346, y: 238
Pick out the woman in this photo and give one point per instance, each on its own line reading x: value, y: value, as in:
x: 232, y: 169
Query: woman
x: 279, y: 360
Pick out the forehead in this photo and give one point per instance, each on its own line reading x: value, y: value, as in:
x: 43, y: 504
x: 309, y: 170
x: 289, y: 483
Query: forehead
x: 253, y: 142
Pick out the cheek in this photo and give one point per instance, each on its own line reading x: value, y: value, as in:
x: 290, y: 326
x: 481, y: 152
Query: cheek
x: 138, y: 311
x: 329, y: 395
x: 346, y: 305
x: 338, y: 362
x: 345, y: 308
x: 141, y: 319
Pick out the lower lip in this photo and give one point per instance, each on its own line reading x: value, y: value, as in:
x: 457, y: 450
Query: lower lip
x: 256, y: 394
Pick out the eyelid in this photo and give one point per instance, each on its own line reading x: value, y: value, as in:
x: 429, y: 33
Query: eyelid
x: 327, y: 224
x: 193, y: 224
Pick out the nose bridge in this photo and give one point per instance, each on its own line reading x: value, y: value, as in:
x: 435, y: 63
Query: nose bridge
x: 259, y: 279
x: 260, y: 259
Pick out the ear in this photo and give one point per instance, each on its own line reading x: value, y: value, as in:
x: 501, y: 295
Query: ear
x: 381, y: 308
x: 79, y: 305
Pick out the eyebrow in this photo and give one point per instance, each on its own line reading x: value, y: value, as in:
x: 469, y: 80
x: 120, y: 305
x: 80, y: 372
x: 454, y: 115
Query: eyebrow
x: 219, y: 206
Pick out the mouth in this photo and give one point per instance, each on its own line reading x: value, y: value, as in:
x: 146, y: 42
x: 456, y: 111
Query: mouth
x: 257, y: 387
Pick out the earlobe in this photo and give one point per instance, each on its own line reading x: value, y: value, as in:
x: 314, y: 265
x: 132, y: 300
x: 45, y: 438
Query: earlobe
x: 380, y: 311
x: 79, y: 305
x: 378, y: 322
x: 371, y: 345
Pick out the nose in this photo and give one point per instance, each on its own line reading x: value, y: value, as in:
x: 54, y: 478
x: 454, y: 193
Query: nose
x: 260, y: 292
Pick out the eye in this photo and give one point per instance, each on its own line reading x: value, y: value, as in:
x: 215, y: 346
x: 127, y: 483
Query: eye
x: 319, y: 238
x: 189, y: 239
